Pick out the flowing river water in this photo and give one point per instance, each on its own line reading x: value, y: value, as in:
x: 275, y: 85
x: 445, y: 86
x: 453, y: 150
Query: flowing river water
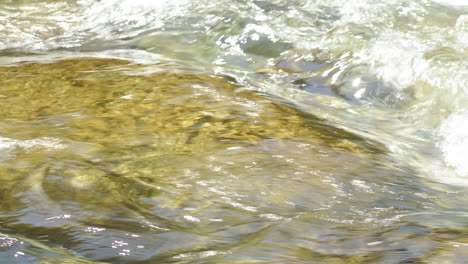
x: 267, y: 131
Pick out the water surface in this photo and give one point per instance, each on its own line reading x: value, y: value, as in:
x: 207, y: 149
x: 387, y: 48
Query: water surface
x: 233, y: 131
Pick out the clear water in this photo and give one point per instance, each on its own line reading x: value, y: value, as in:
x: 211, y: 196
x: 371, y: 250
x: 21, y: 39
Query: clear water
x: 234, y: 131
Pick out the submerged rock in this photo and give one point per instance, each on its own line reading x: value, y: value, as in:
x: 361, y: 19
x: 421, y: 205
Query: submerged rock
x: 105, y: 101
x: 167, y: 154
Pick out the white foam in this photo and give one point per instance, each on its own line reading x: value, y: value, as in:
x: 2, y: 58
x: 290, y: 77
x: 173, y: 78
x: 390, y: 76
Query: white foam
x: 461, y: 29
x: 110, y: 16
x: 452, y: 2
x: 454, y: 144
x: 396, y: 58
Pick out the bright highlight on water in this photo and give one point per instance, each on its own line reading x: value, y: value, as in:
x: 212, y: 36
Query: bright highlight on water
x: 234, y: 131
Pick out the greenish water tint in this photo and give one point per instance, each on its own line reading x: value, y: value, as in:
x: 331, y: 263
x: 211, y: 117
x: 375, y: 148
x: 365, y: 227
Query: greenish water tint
x: 233, y: 131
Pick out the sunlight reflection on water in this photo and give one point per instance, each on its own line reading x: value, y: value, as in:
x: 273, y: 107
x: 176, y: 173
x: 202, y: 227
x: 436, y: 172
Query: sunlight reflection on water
x: 233, y: 131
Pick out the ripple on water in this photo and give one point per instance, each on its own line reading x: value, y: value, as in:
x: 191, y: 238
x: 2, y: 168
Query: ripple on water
x: 167, y: 167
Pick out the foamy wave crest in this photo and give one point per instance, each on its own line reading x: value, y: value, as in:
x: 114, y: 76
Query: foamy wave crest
x: 56, y: 24
x: 454, y: 143
x: 452, y: 2
x: 113, y: 17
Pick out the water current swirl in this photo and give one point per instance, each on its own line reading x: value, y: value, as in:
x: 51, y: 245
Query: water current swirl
x: 246, y: 131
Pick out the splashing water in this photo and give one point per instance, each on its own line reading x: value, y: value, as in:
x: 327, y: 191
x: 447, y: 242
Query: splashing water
x: 227, y: 131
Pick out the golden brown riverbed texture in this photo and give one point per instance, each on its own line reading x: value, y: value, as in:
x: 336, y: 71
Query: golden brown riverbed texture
x: 107, y: 160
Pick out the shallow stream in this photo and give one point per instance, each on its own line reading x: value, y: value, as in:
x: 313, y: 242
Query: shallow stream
x: 238, y: 131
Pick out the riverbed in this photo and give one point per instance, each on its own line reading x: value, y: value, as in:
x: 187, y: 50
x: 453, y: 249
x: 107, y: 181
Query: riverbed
x: 233, y: 131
